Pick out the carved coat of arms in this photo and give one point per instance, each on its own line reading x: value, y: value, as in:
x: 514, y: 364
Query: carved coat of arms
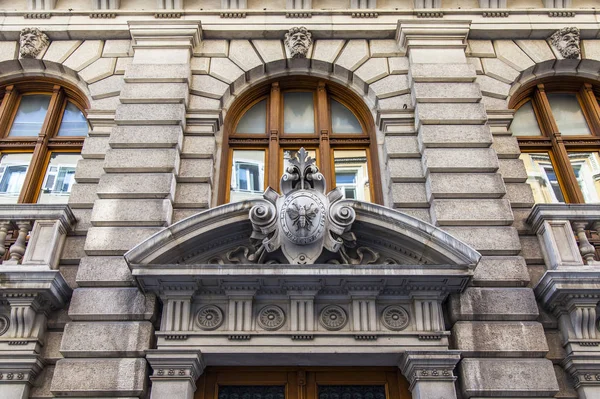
x: 304, y: 220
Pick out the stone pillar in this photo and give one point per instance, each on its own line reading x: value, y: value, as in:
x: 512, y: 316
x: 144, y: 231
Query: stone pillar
x: 175, y: 372
x: 430, y: 373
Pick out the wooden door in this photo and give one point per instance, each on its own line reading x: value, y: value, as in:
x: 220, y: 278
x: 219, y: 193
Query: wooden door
x: 302, y: 383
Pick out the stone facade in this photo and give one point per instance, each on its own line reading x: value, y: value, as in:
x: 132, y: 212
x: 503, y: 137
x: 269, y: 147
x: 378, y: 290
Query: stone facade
x: 114, y: 295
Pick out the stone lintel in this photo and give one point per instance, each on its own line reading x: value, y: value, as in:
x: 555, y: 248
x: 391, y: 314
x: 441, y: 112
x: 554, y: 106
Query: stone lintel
x: 185, y: 364
x: 425, y: 366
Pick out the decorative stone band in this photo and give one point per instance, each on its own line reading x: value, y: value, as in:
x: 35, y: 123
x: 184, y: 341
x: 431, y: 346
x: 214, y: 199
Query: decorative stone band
x: 584, y: 368
x: 19, y: 369
x: 420, y: 366
x: 171, y: 364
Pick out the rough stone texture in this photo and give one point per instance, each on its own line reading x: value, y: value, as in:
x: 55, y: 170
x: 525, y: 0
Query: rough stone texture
x: 8, y: 51
x: 99, y: 69
x: 272, y: 53
x: 122, y: 64
x: 395, y: 103
x: 95, y: 147
x: 117, y: 48
x: 494, y: 304
x: 212, y: 48
x: 460, y: 160
x: 89, y: 170
x: 81, y: 339
x: 115, y: 240
x: 506, y: 146
x: 398, y: 65
x: 224, y: 69
x: 371, y: 71
x: 409, y: 195
x: 465, y: 185
x: 492, y: 87
x: 452, y: 114
x: 406, y: 170
x: 512, y: 170
x: 499, y: 339
x: 119, y: 377
x: 510, y: 53
x: 161, y: 73
x: 82, y: 195
x: 132, y: 212
x: 489, y: 240
x: 384, y: 48
x: 531, y: 250
x: 111, y: 304
x: 155, y: 93
x: 85, y: 54
x: 199, y: 146
x: 199, y: 103
x: 498, y: 69
x: 353, y: 55
x: 159, y: 136
x: 132, y: 160
x: 242, y: 53
x: 41, y: 386
x: 50, y: 351
x: 200, y: 65
x: 463, y: 212
x: 520, y: 195
x: 325, y: 52
x: 402, y: 146
x: 204, y: 85
x: 129, y: 185
x: 501, y: 377
x: 452, y: 73
x: 538, y: 50
x: 108, y: 87
x: 60, y: 50
x: 195, y: 170
x: 192, y: 195
x: 476, y: 62
x: 446, y: 92
x: 150, y: 114
x: 83, y: 220
x: 480, y: 48
x: 103, y: 271
x: 459, y: 136
x: 392, y: 85
x: 500, y: 271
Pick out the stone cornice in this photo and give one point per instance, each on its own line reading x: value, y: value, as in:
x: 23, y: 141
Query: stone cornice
x: 557, y: 287
x: 570, y: 212
x: 21, y: 280
x: 33, y: 212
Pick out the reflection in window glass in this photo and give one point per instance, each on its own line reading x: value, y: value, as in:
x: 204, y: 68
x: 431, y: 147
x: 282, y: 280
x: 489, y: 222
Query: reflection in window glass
x: 13, y: 168
x: 524, y: 122
x: 586, y: 166
x: 30, y: 116
x: 247, y: 175
x: 542, y: 178
x: 568, y: 114
x: 73, y: 122
x: 298, y: 113
x: 352, y: 174
x: 254, y: 120
x: 343, y: 120
x: 59, y: 179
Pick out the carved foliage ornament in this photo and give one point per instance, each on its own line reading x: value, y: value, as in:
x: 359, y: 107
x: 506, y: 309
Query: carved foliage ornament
x: 303, y: 220
x: 32, y: 42
x: 298, y: 41
x: 566, y: 41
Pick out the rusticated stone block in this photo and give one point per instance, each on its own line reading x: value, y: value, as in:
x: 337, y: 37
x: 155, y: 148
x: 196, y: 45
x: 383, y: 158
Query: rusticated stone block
x: 442, y: 73
x: 499, y: 240
x: 81, y: 339
x: 196, y: 170
x: 99, y: 377
x: 159, y: 136
x: 111, y: 304
x: 141, y: 160
x: 115, y: 240
x: 480, y: 48
x: 459, y: 136
x: 402, y: 146
x: 520, y: 195
x: 104, y: 271
x: 159, y: 73
x: 150, y: 114
x: 460, y: 160
x: 155, y: 93
x: 446, y: 92
x: 450, y: 114
x: 504, y: 377
x: 89, y: 170
x: 465, y: 185
x: 50, y: 351
x: 512, y: 170
x: 82, y: 195
x: 506, y: 147
x: 406, y: 170
x: 192, y: 195
x: 199, y: 146
x: 500, y: 271
x: 130, y: 185
x: 132, y: 212
x: 499, y: 339
x: 471, y: 212
x: 494, y: 304
x: 410, y: 195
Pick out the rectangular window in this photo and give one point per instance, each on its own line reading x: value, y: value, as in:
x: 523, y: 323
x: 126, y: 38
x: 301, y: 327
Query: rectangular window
x: 247, y: 175
x: 586, y: 166
x: 352, y: 174
x: 542, y: 178
x: 59, y: 179
x: 13, y: 169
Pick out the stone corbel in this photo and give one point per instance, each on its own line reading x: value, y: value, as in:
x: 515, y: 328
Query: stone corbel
x: 175, y: 372
x: 430, y: 373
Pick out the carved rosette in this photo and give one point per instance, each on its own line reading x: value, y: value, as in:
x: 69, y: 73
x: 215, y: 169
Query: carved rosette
x: 333, y: 317
x: 395, y: 318
x: 209, y: 317
x: 4, y: 324
x: 271, y: 318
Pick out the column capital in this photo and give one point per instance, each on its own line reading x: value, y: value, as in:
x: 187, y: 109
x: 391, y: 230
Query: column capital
x: 421, y: 366
x: 427, y: 33
x: 176, y: 364
x: 19, y: 368
x: 583, y: 368
x: 161, y: 34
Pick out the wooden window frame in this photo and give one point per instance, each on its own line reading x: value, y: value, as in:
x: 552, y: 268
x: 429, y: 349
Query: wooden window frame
x: 47, y: 142
x: 302, y: 382
x: 275, y: 140
x: 552, y: 141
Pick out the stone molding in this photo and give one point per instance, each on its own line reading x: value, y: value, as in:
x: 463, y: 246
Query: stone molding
x: 425, y: 366
x: 428, y: 34
x: 161, y: 34
x: 181, y: 364
x: 19, y: 368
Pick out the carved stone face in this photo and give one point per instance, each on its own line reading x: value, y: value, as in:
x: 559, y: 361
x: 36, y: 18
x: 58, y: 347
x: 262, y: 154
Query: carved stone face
x: 32, y: 42
x: 566, y: 42
x: 298, y: 41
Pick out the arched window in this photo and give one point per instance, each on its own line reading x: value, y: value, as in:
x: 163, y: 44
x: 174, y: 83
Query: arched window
x: 557, y: 124
x: 42, y: 128
x: 269, y: 124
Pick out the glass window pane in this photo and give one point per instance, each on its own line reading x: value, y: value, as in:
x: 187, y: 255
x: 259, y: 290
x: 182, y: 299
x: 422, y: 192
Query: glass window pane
x: 59, y: 179
x: 247, y: 175
x: 542, y: 178
x: 524, y: 122
x: 352, y: 174
x: 30, y: 116
x: 13, y: 168
x: 586, y: 166
x: 568, y: 114
x: 343, y: 120
x: 298, y: 113
x: 254, y: 120
x: 73, y: 122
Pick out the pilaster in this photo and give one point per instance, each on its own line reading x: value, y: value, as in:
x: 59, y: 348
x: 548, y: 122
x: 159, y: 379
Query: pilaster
x: 430, y: 373
x: 175, y: 372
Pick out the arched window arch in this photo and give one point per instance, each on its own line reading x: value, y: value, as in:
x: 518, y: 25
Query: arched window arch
x: 42, y: 128
x: 271, y: 122
x: 557, y: 124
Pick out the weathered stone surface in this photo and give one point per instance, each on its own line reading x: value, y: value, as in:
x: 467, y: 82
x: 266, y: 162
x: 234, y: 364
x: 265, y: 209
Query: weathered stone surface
x: 199, y: 103
x: 476, y: 62
x: 89, y: 170
x: 471, y: 212
x: 122, y: 64
x: 72, y: 250
x: 510, y: 53
x: 499, y: 339
x: 459, y: 136
x: 497, y: 240
x: 130, y: 185
x: 480, y: 48
x: 243, y: 54
x: 160, y: 73
x: 451, y: 114
x: 389, y: 86
x: 402, y: 146
x: 538, y: 50
x: 99, y: 69
x: 384, y: 48
x: 88, y: 52
x: 60, y: 50
x: 200, y: 65
x: 492, y: 87
x: 119, y: 339
x: 109, y: 87
x: 193, y: 195
x: 498, y: 69
x: 442, y: 72
x: 132, y: 212
x: 199, y: 146
x: 212, y: 48
x: 465, y: 185
x: 406, y: 170
x: 150, y: 114
x: 446, y: 92
x: 325, y: 52
x: 371, y: 71
x: 104, y: 271
x: 491, y: 103
x: 159, y: 136
x: 119, y: 377
x: 512, y: 170
x: 111, y: 304
x: 520, y: 195
x: 204, y: 85
x: 460, y: 160
x: 106, y: 104
x: 494, y: 304
x: 398, y: 65
x: 409, y: 195
x: 501, y: 271
x: 352, y: 56
x: 95, y: 147
x: 224, y: 69
x: 83, y: 220
x: 155, y: 93
x: 141, y: 161
x: 113, y: 241
x: 8, y: 51
x: 117, y: 48
x: 502, y: 377
x: 531, y: 250
x: 506, y: 147
x: 395, y: 103
x: 272, y: 53
x: 195, y: 170
x: 50, y: 351
x: 82, y: 195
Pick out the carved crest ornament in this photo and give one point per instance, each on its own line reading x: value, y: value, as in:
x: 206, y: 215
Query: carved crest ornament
x: 304, y: 220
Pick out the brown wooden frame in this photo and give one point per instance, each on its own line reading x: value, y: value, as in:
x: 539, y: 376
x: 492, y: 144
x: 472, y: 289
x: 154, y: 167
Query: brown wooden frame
x: 302, y: 382
x: 43, y: 145
x: 323, y: 140
x: 552, y: 141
